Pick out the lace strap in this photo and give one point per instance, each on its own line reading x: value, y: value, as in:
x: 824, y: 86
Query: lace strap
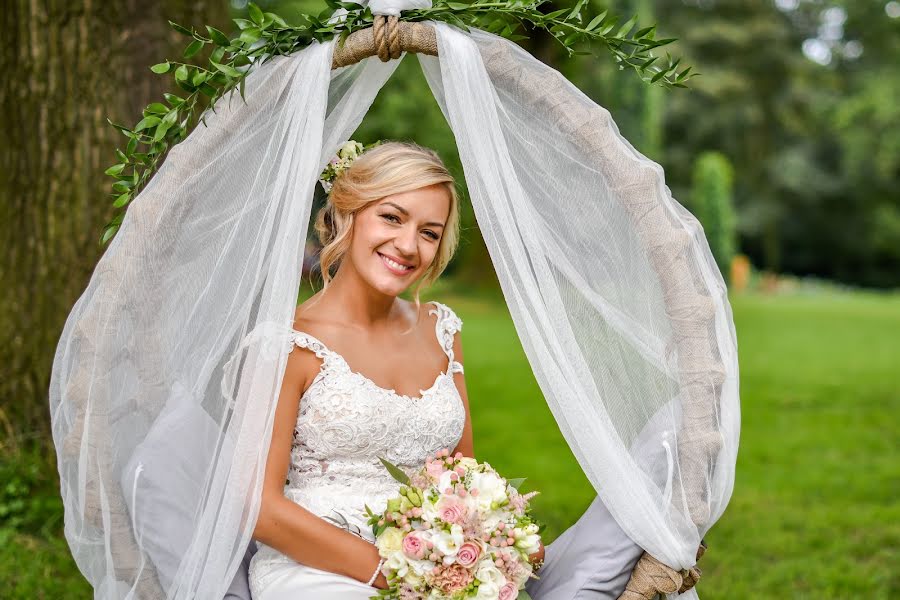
x: 305, y: 340
x: 446, y: 326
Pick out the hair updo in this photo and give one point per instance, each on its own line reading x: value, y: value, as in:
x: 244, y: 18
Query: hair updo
x: 391, y: 167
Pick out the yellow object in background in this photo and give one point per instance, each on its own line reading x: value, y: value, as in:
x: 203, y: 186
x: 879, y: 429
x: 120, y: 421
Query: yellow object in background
x: 740, y: 273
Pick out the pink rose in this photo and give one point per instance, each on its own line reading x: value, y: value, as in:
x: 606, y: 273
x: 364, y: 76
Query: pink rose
x: 413, y: 546
x: 452, y: 511
x: 468, y: 554
x: 452, y: 578
x: 508, y: 591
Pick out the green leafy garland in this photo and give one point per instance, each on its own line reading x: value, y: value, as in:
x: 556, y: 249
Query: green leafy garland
x: 265, y: 35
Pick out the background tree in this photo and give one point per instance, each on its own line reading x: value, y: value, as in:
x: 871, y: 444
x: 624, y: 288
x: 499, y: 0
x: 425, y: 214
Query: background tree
x: 797, y: 94
x: 67, y: 67
x: 711, y: 203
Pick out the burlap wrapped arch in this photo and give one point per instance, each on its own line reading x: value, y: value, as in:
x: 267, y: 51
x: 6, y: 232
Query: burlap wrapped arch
x: 612, y: 288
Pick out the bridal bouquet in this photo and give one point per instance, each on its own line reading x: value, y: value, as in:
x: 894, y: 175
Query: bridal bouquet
x: 456, y: 530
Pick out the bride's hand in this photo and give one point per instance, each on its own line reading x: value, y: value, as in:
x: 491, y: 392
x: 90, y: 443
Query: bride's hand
x: 537, y: 556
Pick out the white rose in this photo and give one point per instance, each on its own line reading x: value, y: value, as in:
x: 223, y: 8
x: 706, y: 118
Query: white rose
x: 487, y: 590
x: 491, y: 488
x: 390, y: 541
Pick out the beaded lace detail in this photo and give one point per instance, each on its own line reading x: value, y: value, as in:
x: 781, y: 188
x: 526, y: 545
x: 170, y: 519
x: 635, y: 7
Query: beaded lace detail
x: 346, y: 422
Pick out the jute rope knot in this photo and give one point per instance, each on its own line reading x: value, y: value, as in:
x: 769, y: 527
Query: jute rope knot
x: 651, y: 577
x: 386, y: 32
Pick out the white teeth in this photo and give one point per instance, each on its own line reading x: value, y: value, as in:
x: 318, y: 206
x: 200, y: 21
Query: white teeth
x: 394, y: 263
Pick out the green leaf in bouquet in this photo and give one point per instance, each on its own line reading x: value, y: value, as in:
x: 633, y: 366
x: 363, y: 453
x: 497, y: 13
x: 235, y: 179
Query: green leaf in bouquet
x: 523, y: 595
x: 395, y: 471
x: 516, y: 482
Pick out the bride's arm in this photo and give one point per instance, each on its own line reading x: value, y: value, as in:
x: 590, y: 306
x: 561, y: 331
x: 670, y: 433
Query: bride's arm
x: 288, y: 527
x: 465, y: 444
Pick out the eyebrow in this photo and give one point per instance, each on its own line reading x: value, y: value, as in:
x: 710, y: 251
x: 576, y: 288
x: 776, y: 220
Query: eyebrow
x: 406, y: 213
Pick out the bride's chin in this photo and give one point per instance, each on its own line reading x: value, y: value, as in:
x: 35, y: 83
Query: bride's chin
x: 387, y: 286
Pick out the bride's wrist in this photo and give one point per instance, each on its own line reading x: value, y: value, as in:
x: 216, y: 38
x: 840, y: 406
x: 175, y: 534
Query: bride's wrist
x: 376, y: 577
x: 380, y: 582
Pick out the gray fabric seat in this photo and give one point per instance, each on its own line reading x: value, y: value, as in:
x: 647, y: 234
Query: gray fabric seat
x: 240, y: 585
x: 591, y: 560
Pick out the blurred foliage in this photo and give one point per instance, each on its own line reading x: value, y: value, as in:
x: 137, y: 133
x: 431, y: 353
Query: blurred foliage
x: 816, y: 147
x: 711, y: 200
x: 28, y: 490
x: 265, y: 35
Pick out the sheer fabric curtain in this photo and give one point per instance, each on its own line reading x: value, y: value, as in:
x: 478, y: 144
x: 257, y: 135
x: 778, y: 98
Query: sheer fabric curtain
x: 611, y: 285
x: 165, y: 377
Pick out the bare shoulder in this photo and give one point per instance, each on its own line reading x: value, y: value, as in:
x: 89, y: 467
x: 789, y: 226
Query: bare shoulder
x: 303, y: 362
x: 427, y: 315
x: 315, y: 318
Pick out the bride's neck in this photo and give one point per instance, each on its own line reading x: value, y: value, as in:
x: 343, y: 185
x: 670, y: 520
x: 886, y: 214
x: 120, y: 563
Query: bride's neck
x: 358, y: 302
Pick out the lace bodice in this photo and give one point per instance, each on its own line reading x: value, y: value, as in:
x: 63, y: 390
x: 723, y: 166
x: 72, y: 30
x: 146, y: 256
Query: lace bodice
x: 346, y: 422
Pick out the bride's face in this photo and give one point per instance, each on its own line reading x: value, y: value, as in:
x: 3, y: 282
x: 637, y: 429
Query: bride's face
x: 396, y: 238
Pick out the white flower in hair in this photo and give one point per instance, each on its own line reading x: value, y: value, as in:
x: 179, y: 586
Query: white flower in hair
x: 340, y: 162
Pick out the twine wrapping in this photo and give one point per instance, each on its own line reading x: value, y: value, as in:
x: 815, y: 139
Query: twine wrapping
x: 651, y: 577
x: 388, y: 38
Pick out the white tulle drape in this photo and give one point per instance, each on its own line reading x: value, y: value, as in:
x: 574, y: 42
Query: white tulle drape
x: 161, y: 447
x: 613, y: 290
x: 167, y: 371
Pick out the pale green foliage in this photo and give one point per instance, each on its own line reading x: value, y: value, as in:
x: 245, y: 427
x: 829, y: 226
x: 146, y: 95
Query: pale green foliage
x: 265, y: 35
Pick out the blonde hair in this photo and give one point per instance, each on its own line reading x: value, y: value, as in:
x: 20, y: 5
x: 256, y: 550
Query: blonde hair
x: 390, y: 168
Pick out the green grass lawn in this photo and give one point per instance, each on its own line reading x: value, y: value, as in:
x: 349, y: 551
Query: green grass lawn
x: 814, y: 511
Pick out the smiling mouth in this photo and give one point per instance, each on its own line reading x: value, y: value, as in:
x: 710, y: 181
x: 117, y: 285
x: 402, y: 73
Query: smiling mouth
x: 393, y: 266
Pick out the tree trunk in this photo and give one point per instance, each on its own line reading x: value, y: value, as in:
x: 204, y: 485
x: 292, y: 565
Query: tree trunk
x: 67, y: 65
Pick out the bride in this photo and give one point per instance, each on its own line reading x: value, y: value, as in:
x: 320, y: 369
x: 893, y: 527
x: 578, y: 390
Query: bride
x: 360, y: 379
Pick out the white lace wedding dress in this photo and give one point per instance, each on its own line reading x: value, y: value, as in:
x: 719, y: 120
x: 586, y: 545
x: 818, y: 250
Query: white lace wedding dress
x: 345, y: 423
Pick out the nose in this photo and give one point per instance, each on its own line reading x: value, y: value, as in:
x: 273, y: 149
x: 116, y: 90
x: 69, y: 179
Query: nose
x: 405, y: 242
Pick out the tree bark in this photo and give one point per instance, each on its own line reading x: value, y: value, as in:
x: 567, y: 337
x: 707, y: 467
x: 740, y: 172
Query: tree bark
x: 67, y: 65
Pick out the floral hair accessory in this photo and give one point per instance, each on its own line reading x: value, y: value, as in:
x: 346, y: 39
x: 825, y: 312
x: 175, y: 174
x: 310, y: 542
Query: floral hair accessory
x: 341, y: 161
